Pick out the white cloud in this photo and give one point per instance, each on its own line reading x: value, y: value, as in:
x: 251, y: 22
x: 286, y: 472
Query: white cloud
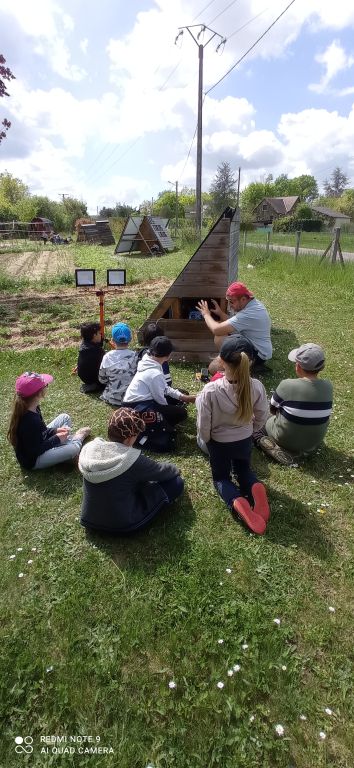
x: 335, y: 60
x: 84, y: 45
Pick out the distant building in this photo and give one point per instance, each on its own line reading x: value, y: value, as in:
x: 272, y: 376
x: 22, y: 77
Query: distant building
x: 331, y: 217
x: 272, y: 208
x: 40, y: 226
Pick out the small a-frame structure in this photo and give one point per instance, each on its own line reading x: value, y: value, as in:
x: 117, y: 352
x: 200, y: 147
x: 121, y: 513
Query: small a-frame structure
x: 207, y: 274
x: 97, y: 232
x: 146, y: 234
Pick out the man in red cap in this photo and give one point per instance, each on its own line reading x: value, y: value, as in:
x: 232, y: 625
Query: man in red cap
x: 250, y: 322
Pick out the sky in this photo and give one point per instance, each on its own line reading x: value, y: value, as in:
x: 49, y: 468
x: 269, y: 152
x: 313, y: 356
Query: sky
x: 104, y: 105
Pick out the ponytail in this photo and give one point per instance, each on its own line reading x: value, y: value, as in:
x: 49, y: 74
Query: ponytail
x: 19, y: 408
x: 240, y: 367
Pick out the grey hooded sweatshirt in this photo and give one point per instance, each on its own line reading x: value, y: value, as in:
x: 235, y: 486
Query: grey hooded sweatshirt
x: 216, y: 412
x: 121, y: 486
x: 149, y: 383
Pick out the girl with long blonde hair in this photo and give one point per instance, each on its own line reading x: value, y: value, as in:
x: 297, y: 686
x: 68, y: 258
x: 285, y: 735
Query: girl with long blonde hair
x: 229, y: 411
x: 38, y: 446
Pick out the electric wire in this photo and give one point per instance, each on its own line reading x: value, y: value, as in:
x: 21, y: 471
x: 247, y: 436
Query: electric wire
x: 239, y: 29
x: 221, y: 12
x: 251, y: 48
x: 203, y: 9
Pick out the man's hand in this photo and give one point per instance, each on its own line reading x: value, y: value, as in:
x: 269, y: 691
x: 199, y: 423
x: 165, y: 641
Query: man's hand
x: 188, y: 398
x: 203, y: 307
x: 74, y: 370
x: 217, y: 309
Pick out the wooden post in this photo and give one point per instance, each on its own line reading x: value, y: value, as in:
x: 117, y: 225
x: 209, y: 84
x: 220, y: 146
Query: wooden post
x: 100, y: 295
x: 297, y: 244
x: 335, y: 244
x: 267, y: 243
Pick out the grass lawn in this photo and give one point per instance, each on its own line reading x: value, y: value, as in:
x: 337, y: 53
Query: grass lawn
x: 96, y: 628
x: 316, y: 240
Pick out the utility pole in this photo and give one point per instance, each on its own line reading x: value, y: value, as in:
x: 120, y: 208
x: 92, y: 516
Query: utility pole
x: 176, y: 205
x: 198, y: 185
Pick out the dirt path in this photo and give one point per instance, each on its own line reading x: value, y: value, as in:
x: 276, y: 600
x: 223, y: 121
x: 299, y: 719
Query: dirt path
x: 33, y: 265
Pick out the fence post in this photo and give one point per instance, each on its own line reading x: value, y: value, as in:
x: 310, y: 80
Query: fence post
x: 335, y: 244
x: 297, y: 244
x: 244, y: 242
x: 267, y: 243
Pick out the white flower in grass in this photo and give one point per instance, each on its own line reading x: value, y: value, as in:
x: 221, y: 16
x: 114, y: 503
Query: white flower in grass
x: 277, y: 622
x: 328, y: 711
x: 279, y: 729
x: 303, y: 717
x: 322, y: 735
x: 220, y: 641
x: 19, y: 549
x: 244, y: 647
x: 331, y: 609
x: 29, y: 562
x: 34, y: 549
x: 172, y: 685
x: 228, y: 570
x: 220, y: 685
x: 12, y: 557
x: 220, y: 583
x: 236, y: 667
x: 230, y: 672
x: 49, y: 669
x: 21, y: 575
x: 284, y: 668
x: 252, y: 718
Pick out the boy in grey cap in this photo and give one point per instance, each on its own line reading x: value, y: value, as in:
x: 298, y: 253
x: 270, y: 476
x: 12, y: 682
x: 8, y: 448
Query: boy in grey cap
x: 301, y: 408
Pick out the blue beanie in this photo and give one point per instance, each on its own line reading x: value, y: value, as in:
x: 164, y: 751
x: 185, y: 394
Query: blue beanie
x: 121, y: 333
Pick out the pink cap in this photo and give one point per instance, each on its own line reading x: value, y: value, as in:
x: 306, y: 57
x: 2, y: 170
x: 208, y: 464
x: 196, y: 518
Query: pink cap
x: 239, y: 289
x: 29, y: 383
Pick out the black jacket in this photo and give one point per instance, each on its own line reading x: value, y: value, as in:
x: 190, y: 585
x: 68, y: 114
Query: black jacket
x: 121, y: 486
x: 89, y: 361
x: 33, y: 438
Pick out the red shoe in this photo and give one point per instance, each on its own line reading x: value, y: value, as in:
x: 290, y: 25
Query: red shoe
x: 254, y: 522
x: 261, y: 506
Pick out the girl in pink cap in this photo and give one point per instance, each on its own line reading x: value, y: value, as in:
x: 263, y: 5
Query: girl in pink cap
x: 38, y: 446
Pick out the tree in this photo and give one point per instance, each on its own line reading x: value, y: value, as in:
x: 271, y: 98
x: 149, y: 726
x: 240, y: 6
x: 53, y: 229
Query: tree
x: 12, y: 190
x: 74, y: 209
x: 165, y: 205
x: 337, y: 183
x: 252, y: 195
x: 5, y: 74
x: 304, y: 186
x: 303, y: 211
x: 223, y: 190
x: 120, y: 210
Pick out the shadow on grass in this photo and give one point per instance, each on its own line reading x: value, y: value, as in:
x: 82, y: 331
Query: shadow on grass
x: 164, y: 541
x: 292, y: 524
x: 328, y: 463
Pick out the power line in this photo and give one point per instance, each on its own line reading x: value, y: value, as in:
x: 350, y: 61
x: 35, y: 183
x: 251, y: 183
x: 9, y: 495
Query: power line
x: 189, y: 152
x: 203, y: 9
x: 239, y: 29
x: 251, y: 48
x: 224, y: 11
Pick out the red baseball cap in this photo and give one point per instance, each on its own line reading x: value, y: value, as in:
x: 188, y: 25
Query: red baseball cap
x: 29, y: 383
x: 239, y: 289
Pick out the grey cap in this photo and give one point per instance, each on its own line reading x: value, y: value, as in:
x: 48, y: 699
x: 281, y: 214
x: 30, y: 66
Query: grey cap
x: 311, y: 357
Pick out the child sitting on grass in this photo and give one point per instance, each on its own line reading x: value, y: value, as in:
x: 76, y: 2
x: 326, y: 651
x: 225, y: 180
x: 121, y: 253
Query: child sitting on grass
x: 36, y: 445
x: 149, y: 333
x: 90, y: 357
x: 148, y: 393
x: 229, y: 410
x: 124, y: 490
x: 118, y: 366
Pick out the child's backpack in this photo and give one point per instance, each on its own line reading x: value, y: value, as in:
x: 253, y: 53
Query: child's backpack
x: 158, y: 435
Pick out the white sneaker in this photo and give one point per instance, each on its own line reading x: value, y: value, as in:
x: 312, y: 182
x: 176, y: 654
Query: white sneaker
x: 82, y: 434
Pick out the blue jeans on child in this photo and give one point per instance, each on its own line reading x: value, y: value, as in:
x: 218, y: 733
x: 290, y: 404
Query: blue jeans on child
x: 65, y: 452
x: 232, y: 458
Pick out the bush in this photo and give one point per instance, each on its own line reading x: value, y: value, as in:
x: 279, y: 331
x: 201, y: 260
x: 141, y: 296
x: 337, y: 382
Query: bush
x: 292, y: 224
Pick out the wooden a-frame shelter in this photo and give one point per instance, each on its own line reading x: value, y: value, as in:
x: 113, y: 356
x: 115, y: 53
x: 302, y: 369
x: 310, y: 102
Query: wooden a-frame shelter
x: 145, y: 234
x: 207, y: 274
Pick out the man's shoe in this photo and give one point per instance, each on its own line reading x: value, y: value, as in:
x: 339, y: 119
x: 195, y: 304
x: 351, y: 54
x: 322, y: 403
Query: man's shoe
x: 254, y: 522
x: 271, y: 448
x: 261, y: 505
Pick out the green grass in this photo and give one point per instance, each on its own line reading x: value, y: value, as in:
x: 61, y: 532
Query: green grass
x: 316, y: 240
x: 116, y: 620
